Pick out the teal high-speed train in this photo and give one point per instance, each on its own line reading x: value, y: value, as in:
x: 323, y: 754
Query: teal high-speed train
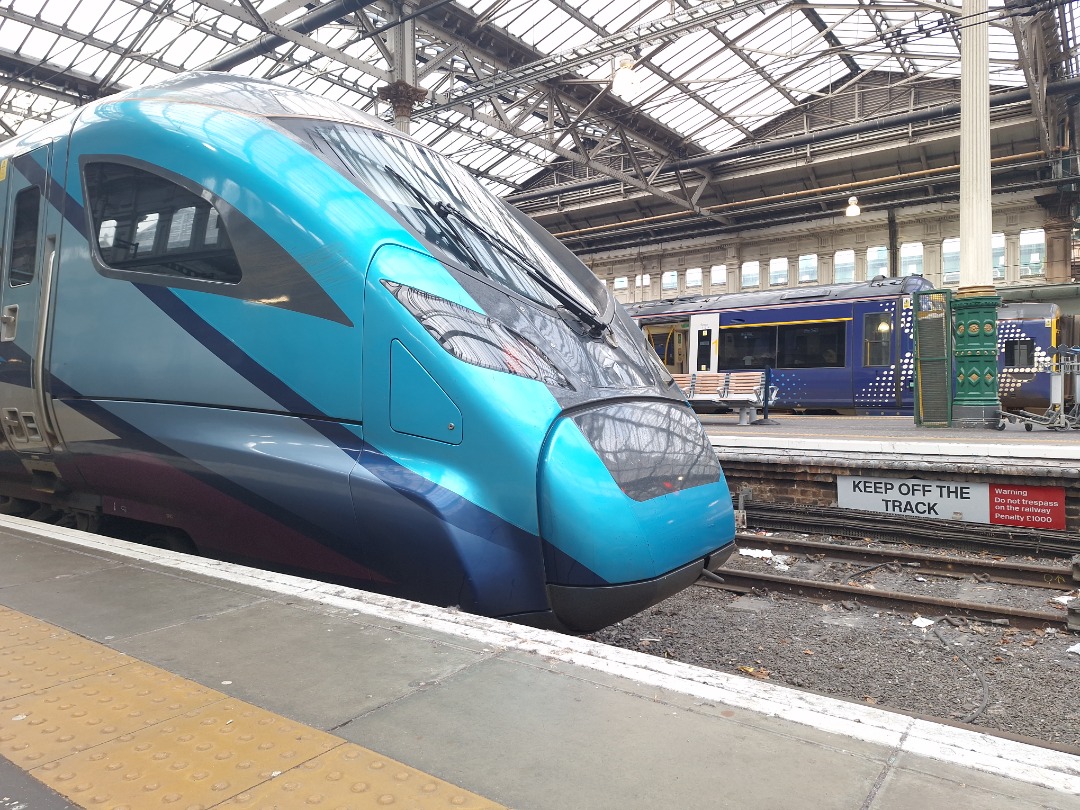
x: 242, y: 320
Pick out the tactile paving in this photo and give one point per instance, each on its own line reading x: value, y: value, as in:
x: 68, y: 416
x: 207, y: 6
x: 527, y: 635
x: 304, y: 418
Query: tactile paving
x: 353, y: 777
x: 197, y: 759
x: 46, y: 662
x: 106, y: 730
x: 18, y: 628
x: 71, y: 717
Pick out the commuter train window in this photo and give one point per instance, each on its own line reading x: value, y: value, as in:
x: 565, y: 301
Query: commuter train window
x: 148, y: 224
x: 1018, y: 353
x: 811, y: 345
x: 747, y: 347
x: 24, y: 237
x: 877, y: 339
x: 704, y: 349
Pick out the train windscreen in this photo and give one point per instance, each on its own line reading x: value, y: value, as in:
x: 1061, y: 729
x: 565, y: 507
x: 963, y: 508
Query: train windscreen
x: 447, y: 207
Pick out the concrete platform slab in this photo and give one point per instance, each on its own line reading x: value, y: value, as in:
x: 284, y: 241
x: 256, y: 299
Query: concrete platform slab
x: 519, y: 716
x: 338, y: 668
x: 117, y: 602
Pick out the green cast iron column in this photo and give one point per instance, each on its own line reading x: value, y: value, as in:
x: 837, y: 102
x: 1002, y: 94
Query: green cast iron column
x: 975, y: 304
x: 976, y: 402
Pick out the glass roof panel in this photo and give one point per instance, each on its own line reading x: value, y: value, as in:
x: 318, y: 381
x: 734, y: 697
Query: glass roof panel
x: 735, y: 75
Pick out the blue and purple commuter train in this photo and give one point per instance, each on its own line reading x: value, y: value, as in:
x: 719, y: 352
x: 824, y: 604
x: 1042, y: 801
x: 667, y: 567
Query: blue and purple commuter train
x: 842, y: 347
x: 243, y: 320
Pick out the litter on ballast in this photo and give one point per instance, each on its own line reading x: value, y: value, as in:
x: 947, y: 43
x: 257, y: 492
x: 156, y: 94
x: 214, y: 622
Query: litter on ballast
x: 1067, y: 597
x: 781, y: 562
x: 922, y: 622
x: 762, y: 553
x: 1075, y: 648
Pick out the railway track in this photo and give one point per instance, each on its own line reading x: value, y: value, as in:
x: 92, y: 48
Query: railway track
x: 906, y: 528
x: 847, y: 587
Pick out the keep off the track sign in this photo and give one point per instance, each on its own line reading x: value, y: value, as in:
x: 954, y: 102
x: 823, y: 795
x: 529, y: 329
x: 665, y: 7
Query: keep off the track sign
x: 974, y: 502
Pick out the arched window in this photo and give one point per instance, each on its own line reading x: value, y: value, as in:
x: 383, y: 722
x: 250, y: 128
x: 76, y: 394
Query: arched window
x: 751, y: 275
x: 844, y: 266
x: 1032, y: 252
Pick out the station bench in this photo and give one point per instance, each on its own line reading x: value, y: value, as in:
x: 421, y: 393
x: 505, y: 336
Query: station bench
x: 739, y: 390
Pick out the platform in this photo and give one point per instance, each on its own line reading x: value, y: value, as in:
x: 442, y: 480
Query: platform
x: 133, y: 677
x: 854, y: 437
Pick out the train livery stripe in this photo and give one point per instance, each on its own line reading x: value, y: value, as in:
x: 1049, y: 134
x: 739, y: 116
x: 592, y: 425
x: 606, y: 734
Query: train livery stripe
x: 456, y: 509
x: 56, y: 192
x: 782, y: 323
x: 227, y: 351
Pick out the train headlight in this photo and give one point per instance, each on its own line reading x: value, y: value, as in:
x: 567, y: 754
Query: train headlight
x: 474, y: 338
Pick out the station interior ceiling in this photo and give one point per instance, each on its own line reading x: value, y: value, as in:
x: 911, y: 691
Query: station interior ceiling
x: 620, y: 124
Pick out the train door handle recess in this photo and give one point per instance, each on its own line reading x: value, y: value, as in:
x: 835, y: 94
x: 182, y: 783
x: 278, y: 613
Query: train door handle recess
x: 13, y: 425
x: 9, y: 323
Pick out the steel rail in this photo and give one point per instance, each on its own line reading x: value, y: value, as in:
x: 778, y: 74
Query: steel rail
x: 748, y: 581
x: 850, y: 523
x: 1033, y: 575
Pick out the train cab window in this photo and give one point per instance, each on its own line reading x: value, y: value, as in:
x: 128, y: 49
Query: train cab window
x: 24, y: 237
x: 877, y: 339
x: 1018, y: 353
x: 147, y: 223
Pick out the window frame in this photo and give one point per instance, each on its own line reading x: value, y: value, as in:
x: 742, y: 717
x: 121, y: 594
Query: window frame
x: 34, y: 246
x: 228, y: 220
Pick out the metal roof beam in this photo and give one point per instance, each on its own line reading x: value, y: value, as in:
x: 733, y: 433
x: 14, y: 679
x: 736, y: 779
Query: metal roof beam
x: 830, y: 133
x: 655, y: 32
x: 52, y: 81
x: 277, y: 35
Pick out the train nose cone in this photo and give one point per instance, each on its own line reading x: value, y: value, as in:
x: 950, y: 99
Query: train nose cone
x: 632, y: 500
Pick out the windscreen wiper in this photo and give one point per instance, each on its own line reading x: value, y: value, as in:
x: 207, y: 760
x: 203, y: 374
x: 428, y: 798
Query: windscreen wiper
x: 435, y: 208
x: 588, y: 318
x: 594, y: 327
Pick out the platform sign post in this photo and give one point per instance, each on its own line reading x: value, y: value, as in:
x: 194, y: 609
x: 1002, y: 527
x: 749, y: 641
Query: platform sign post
x: 933, y: 357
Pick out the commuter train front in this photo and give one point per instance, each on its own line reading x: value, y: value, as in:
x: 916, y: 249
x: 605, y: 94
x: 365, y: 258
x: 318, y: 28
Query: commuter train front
x: 243, y: 318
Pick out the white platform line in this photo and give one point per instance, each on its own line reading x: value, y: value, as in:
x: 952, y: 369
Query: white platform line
x: 921, y: 448
x: 983, y: 752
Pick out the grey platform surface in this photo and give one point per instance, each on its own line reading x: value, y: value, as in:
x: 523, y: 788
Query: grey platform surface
x: 529, y: 719
x: 895, y: 441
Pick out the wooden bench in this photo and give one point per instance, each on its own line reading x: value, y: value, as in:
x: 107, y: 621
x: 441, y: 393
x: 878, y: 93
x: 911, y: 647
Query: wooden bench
x: 741, y: 390
x: 700, y: 385
x: 745, y: 391
x: 685, y: 383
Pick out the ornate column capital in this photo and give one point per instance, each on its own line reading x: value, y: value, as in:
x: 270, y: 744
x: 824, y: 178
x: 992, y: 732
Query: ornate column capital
x: 403, y: 97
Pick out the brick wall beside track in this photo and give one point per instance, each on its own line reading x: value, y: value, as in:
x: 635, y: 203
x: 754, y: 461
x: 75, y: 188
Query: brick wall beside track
x: 812, y: 485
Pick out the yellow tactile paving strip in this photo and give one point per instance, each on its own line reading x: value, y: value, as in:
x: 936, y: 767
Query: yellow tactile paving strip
x: 108, y: 731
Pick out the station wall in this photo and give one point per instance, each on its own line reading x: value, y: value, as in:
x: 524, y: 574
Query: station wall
x: 1030, y: 247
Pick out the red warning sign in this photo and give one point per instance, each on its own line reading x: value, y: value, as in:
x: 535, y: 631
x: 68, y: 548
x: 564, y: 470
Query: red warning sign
x: 1031, y: 507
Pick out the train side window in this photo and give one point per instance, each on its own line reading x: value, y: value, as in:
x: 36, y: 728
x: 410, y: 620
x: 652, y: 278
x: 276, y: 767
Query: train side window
x: 811, y: 345
x: 24, y: 237
x: 1019, y: 353
x: 146, y: 223
x: 747, y: 347
x: 704, y: 349
x: 877, y: 339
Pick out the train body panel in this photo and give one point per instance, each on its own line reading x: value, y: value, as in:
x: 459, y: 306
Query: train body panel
x: 259, y: 324
x: 844, y: 347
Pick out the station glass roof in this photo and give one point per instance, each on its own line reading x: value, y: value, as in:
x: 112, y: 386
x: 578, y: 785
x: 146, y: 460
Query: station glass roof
x: 515, y: 85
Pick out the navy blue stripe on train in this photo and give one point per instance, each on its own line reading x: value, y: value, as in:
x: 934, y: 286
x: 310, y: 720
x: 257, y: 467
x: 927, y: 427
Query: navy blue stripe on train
x: 242, y: 320
x: 841, y: 347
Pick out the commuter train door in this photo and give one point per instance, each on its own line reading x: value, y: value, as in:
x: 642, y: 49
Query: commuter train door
x: 877, y: 374
x: 28, y: 253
